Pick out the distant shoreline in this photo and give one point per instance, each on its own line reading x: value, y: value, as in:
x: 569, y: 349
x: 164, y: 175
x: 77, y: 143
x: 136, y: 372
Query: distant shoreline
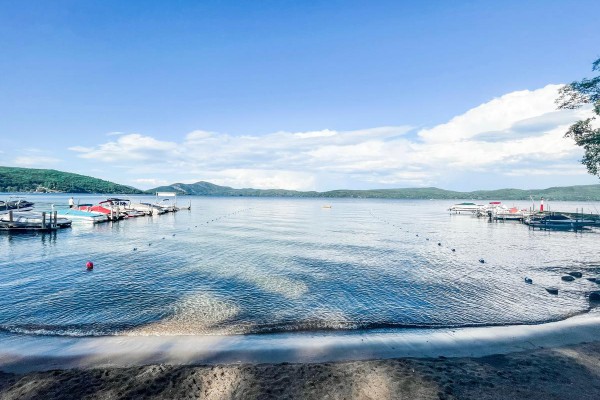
x: 4, y: 195
x: 28, y: 180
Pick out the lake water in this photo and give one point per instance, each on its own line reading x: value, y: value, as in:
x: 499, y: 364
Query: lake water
x: 250, y: 265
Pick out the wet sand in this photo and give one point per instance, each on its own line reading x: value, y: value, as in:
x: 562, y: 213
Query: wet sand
x: 568, y: 372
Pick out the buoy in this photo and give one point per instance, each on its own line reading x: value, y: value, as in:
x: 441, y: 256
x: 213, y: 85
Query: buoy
x: 173, y: 234
x: 135, y: 248
x: 89, y: 265
x: 439, y: 244
x: 453, y: 249
x: 149, y: 244
x: 528, y: 280
x: 481, y: 260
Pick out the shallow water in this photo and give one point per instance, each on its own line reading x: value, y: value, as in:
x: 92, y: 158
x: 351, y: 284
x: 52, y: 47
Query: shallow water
x: 251, y: 265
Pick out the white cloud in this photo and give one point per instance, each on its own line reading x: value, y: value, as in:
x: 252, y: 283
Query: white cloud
x: 518, y: 131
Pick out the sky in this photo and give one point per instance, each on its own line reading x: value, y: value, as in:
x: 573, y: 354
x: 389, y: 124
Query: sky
x: 306, y: 95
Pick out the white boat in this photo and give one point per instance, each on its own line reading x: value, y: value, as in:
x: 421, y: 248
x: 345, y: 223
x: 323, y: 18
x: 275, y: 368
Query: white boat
x: 80, y: 215
x: 167, y: 205
x: 124, y: 206
x: 148, y: 208
x: 465, y: 207
x: 504, y: 213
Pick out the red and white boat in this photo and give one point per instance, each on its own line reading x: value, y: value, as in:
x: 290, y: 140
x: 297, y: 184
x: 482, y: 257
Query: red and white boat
x: 107, y: 207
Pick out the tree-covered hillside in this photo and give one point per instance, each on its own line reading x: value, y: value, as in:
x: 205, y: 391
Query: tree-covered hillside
x: 28, y: 180
x: 574, y: 193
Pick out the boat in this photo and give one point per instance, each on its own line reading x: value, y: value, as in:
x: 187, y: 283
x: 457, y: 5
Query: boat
x: 465, y: 207
x: 167, y: 205
x: 504, y: 213
x: 18, y: 204
x: 558, y: 222
x: 32, y: 220
x: 124, y: 206
x: 80, y: 215
x: 105, y: 207
x: 148, y: 208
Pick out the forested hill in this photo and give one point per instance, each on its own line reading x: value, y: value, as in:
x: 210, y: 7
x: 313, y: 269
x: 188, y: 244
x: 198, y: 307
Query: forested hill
x: 48, y: 180
x: 28, y: 180
x: 574, y: 193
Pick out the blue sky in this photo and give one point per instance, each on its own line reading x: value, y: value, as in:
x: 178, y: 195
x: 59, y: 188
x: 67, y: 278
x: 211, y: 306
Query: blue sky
x: 302, y: 95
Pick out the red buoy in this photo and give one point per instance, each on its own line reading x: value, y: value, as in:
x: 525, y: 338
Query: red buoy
x: 89, y: 265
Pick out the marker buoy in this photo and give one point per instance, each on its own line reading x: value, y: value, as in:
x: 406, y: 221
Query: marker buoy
x: 89, y: 265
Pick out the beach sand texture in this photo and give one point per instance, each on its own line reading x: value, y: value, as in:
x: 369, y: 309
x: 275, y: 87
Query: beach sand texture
x: 570, y: 372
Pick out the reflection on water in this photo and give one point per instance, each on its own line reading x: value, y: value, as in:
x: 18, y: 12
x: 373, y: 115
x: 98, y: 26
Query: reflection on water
x: 242, y: 265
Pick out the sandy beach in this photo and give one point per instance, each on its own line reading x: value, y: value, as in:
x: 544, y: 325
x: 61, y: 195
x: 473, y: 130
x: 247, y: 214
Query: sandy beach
x: 568, y: 372
x: 559, y: 360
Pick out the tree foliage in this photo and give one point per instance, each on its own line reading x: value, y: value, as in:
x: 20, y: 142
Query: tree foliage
x: 14, y: 179
x: 575, y: 95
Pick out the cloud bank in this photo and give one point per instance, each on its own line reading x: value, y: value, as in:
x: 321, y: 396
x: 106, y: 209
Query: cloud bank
x: 516, y: 134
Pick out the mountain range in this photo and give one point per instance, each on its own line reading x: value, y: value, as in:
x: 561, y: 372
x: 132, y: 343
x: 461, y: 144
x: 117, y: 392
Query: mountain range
x: 14, y: 179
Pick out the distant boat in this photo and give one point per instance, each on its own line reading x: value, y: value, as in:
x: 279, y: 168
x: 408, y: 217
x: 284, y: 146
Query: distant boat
x: 465, y: 207
x: 327, y: 206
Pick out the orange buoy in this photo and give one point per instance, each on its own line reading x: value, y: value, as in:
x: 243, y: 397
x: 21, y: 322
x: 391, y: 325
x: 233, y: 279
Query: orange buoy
x: 89, y: 265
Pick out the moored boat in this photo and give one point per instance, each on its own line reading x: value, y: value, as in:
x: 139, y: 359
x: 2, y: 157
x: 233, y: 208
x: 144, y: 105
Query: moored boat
x: 465, y: 207
x: 124, y: 205
x: 148, y: 208
x: 558, y: 222
x: 508, y: 214
x: 17, y: 204
x: 167, y: 205
x: 105, y: 207
x: 80, y: 215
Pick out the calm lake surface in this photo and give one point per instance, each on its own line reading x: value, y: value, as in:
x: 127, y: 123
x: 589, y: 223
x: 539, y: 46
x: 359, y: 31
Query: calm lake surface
x: 250, y: 265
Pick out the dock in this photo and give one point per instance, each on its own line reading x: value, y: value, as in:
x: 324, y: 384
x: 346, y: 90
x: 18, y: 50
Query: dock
x: 48, y: 223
